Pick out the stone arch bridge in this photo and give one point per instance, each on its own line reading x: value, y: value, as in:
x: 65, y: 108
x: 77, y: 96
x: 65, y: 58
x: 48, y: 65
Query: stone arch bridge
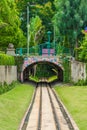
x: 32, y: 60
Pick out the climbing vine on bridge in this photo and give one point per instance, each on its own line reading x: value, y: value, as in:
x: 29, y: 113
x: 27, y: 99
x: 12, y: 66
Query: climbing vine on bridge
x: 19, y: 61
x: 67, y: 71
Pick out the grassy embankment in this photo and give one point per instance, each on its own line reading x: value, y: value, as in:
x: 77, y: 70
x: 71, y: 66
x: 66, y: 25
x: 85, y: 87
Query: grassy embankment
x: 75, y: 100
x: 50, y: 79
x: 13, y: 105
x: 34, y: 78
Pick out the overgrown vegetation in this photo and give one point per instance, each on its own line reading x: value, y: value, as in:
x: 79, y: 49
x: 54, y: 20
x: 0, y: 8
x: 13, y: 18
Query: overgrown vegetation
x: 66, y: 74
x: 44, y: 10
x: 10, y: 31
x: 81, y: 82
x: 45, y: 70
x: 7, y: 87
x: 69, y: 20
x: 83, y: 49
x: 19, y: 61
x: 6, y: 59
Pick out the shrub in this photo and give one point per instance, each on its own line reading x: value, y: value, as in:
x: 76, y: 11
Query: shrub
x: 5, y: 87
x: 6, y: 59
x: 81, y: 83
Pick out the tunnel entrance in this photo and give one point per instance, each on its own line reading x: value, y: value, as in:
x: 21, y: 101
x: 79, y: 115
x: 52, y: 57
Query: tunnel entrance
x: 48, y: 70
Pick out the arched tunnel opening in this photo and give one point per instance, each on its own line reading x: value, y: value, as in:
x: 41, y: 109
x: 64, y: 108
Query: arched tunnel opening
x: 47, y: 70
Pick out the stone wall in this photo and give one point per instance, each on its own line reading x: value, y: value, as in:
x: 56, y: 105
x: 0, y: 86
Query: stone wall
x: 8, y: 74
x: 78, y: 71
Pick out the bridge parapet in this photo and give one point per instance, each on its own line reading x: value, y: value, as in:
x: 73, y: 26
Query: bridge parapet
x: 35, y: 59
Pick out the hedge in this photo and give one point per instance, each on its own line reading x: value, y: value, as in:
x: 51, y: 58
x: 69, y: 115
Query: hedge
x: 6, y: 59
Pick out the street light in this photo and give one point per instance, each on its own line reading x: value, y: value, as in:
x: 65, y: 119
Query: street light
x: 49, y: 33
x: 54, y: 39
x: 28, y: 27
x: 28, y: 37
x: 54, y: 35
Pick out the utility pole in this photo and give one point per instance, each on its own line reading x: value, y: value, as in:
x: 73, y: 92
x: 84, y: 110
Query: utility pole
x: 54, y: 41
x: 28, y: 37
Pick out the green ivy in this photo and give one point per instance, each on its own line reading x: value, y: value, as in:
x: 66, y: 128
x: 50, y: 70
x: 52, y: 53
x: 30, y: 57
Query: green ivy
x: 19, y: 62
x: 67, y: 72
x: 6, y: 59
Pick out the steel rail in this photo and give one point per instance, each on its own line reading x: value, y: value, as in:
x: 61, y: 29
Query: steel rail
x: 69, y: 123
x: 24, y: 125
x: 40, y: 109
x: 54, y: 112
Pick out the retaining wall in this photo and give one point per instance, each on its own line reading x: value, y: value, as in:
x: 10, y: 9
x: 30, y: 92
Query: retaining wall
x: 8, y: 74
x: 78, y: 71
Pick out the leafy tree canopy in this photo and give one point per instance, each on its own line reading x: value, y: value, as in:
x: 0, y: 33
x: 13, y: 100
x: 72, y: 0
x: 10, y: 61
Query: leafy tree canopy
x: 69, y: 20
x: 10, y: 31
x: 36, y: 31
x: 44, y: 9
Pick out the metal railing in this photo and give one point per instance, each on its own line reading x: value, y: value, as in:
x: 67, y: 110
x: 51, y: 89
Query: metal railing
x: 43, y: 49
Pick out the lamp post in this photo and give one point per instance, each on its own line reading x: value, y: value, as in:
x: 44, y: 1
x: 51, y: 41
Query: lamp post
x: 48, y: 46
x: 54, y: 40
x: 54, y: 36
x: 28, y: 38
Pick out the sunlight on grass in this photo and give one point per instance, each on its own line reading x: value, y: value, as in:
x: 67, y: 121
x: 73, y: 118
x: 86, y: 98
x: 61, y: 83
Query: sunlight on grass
x: 34, y: 78
x: 75, y: 99
x: 13, y: 105
x: 52, y: 78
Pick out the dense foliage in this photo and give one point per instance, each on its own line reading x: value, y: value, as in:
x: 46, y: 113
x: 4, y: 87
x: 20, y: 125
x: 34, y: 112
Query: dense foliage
x: 7, y: 87
x: 6, y: 60
x: 83, y: 49
x: 36, y: 31
x: 70, y: 19
x: 37, y: 8
x: 10, y: 31
x: 45, y: 70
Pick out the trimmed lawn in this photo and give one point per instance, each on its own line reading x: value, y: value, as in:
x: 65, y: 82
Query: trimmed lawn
x: 75, y: 100
x: 13, y: 106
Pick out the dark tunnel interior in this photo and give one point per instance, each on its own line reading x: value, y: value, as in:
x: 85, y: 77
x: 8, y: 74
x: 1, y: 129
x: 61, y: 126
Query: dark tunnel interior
x: 45, y: 70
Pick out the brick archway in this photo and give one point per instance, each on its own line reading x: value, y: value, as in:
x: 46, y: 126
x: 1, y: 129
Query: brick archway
x: 35, y: 60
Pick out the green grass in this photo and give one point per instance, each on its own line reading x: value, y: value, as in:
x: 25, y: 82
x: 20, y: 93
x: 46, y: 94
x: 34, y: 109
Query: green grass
x: 52, y: 78
x: 34, y: 78
x: 13, y: 105
x: 75, y: 100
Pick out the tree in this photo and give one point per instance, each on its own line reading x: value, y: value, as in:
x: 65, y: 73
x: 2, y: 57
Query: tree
x: 10, y: 31
x: 43, y: 9
x: 36, y: 31
x: 69, y: 20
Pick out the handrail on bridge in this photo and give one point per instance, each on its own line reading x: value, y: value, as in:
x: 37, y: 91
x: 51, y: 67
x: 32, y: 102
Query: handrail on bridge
x: 42, y: 49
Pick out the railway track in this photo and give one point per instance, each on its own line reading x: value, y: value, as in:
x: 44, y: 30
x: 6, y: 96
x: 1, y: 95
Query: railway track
x: 46, y: 111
